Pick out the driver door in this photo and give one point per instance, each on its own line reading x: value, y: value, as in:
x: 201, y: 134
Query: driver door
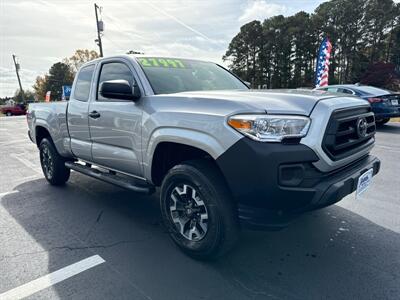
x: 115, y: 124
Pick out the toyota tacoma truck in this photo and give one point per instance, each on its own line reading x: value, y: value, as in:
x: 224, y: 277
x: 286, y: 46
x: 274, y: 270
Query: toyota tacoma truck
x: 223, y: 156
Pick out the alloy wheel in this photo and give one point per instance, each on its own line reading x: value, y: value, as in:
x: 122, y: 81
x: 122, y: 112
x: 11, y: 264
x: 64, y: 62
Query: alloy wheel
x: 47, y: 162
x: 188, y: 212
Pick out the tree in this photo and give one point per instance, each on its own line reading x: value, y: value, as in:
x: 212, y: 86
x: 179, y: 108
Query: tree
x: 380, y: 74
x: 41, y: 87
x: 28, y: 95
x: 281, y: 52
x: 62, y: 73
x: 80, y: 57
x: 59, y: 74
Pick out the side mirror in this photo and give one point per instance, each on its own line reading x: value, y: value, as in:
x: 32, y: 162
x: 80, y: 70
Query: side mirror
x: 119, y: 89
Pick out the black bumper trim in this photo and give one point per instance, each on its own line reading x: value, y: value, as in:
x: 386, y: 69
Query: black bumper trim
x: 254, y: 181
x: 327, y: 193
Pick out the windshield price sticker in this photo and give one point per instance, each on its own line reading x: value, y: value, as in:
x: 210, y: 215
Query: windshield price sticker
x: 161, y: 62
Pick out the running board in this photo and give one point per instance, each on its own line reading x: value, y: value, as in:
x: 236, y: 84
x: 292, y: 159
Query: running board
x: 111, y: 177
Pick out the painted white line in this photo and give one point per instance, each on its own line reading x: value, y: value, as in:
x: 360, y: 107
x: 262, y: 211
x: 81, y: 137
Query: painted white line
x: 26, y: 163
x: 387, y: 148
x: 7, y: 193
x: 52, y: 278
x: 14, y: 142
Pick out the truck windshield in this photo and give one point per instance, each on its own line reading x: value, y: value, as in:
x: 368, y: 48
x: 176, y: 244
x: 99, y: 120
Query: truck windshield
x: 170, y: 75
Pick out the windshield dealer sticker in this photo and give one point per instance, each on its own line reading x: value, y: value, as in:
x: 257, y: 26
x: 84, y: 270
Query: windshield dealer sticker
x: 161, y: 62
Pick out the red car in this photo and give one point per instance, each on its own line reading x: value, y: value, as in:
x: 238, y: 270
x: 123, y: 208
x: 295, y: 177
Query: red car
x: 16, y: 110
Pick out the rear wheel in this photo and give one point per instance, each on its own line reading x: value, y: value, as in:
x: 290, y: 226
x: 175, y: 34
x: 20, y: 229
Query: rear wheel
x: 8, y: 114
x: 53, y: 164
x: 198, y: 211
x: 382, y: 121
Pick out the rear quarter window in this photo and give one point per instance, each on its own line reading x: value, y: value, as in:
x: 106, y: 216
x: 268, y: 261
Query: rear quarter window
x: 83, y: 83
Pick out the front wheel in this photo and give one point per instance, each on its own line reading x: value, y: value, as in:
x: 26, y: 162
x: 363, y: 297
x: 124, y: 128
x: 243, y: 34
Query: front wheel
x: 198, y: 211
x: 8, y: 114
x: 53, y: 164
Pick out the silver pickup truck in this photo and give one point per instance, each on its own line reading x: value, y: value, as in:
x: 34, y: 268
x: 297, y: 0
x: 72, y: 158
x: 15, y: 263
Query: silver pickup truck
x: 223, y: 156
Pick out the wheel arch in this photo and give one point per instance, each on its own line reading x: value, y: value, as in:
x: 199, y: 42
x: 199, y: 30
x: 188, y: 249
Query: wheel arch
x: 199, y: 142
x: 168, y: 154
x: 41, y: 132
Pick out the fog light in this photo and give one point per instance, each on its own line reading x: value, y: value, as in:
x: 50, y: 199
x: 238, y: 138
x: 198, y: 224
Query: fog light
x: 291, y: 175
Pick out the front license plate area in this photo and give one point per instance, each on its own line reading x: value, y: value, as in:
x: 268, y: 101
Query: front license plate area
x: 364, y: 181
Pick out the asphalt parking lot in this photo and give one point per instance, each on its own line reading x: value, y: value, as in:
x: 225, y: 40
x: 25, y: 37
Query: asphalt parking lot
x: 347, y: 251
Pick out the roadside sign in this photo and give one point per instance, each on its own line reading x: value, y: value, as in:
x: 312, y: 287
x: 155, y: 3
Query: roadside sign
x: 66, y: 92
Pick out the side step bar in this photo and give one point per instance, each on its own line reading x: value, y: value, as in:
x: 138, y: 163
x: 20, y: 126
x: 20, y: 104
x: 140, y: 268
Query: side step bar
x: 111, y: 177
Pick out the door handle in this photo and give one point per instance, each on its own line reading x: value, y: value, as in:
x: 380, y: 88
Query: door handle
x: 94, y: 114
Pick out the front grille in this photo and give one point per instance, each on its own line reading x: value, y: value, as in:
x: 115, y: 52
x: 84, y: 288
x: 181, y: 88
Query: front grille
x: 343, y: 137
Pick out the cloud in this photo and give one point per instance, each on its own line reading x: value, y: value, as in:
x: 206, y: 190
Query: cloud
x: 9, y: 83
x: 43, y: 32
x: 260, y: 10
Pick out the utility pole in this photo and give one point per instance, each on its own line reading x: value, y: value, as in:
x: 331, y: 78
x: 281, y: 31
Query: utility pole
x: 99, y: 29
x: 17, y: 67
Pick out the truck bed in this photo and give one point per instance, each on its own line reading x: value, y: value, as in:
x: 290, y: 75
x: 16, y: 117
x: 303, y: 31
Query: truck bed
x: 51, y: 116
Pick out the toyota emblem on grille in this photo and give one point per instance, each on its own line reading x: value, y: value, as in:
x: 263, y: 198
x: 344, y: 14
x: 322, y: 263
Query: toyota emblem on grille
x: 362, y: 127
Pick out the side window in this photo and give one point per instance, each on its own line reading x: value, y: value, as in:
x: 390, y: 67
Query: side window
x: 114, y: 71
x: 333, y: 89
x: 345, y: 91
x: 82, y: 85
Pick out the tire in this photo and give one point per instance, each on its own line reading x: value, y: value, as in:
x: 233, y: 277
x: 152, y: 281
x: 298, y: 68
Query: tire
x: 8, y: 114
x: 53, y: 164
x: 218, y: 232
x: 382, y: 122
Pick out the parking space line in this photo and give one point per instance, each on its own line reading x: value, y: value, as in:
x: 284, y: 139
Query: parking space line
x: 51, y: 279
x: 7, y: 193
x: 26, y: 163
x: 387, y: 148
x: 13, y: 142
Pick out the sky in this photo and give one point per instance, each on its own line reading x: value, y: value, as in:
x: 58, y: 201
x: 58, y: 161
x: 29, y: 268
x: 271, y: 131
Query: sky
x: 43, y: 32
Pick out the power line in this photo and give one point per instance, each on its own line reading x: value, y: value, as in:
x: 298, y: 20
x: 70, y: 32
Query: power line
x: 113, y: 42
x: 121, y: 30
x: 180, y: 22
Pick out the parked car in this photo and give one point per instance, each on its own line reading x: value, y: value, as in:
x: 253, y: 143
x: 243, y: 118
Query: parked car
x: 16, y: 110
x: 385, y: 104
x: 223, y: 156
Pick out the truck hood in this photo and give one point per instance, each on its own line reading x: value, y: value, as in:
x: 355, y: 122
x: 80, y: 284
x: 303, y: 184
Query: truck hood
x: 295, y: 102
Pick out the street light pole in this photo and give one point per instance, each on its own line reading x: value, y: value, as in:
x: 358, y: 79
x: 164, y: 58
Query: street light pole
x: 96, y: 7
x: 19, y: 79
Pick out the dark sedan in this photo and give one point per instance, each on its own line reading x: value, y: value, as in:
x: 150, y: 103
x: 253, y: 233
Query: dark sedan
x: 385, y: 104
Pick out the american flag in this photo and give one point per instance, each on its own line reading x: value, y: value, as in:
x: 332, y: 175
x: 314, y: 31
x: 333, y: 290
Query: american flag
x: 324, y: 54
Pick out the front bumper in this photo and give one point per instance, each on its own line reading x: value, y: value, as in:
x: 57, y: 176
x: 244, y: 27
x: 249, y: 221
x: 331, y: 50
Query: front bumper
x: 274, y: 183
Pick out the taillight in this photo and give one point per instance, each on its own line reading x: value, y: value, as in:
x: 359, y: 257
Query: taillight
x: 375, y: 100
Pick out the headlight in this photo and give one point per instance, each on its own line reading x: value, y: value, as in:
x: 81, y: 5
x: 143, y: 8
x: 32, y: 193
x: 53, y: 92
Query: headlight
x: 270, y: 128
